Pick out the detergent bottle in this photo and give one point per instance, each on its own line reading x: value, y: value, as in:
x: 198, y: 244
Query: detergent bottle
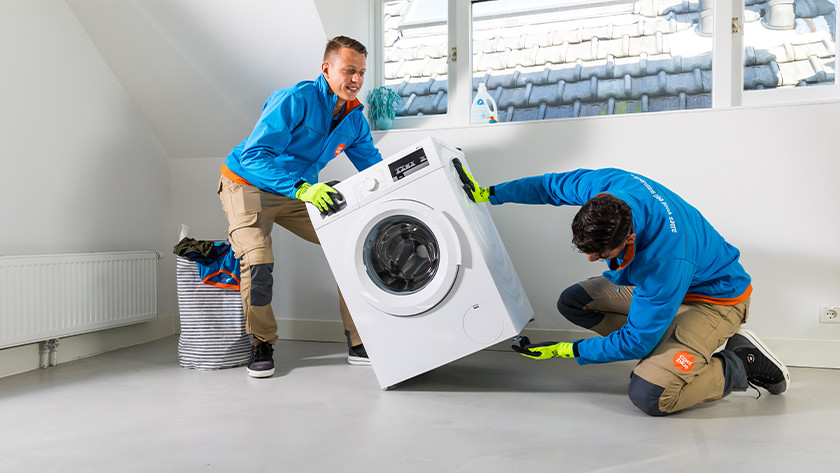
x: 483, y: 109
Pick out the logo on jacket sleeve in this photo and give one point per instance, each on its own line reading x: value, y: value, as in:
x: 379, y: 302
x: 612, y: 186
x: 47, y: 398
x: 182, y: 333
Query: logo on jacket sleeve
x: 683, y: 361
x: 339, y: 149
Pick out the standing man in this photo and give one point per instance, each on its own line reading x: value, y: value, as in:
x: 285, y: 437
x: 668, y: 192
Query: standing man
x: 272, y: 173
x: 673, y: 294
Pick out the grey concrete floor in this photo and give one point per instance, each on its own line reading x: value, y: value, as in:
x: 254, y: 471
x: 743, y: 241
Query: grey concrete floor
x: 136, y: 410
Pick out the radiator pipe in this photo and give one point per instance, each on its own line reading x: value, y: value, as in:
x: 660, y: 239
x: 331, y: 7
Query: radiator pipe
x: 49, y: 353
x: 53, y: 352
x: 45, y: 355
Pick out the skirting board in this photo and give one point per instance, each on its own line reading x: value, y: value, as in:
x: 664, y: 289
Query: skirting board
x: 796, y: 353
x: 24, y: 358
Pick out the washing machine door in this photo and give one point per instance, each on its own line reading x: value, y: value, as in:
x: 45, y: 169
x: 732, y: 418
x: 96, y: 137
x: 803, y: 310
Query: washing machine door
x: 407, y: 257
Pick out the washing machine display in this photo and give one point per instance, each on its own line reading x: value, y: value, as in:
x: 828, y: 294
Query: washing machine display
x: 401, y: 254
x: 408, y: 164
x: 422, y: 268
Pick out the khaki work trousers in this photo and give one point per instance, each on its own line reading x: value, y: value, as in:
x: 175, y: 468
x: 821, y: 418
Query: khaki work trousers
x: 681, y: 365
x: 251, y: 215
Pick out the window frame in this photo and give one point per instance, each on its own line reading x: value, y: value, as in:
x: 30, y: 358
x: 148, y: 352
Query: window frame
x: 452, y: 116
x: 779, y: 96
x: 727, y: 68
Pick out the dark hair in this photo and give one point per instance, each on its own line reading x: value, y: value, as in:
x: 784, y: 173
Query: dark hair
x: 335, y: 44
x: 601, y: 225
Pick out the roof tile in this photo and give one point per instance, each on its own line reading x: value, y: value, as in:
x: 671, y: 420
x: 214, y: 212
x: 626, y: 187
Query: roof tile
x: 761, y: 76
x: 540, y: 40
x: 819, y: 49
x: 521, y: 57
x: 515, y: 97
x: 547, y: 94
x: 813, y: 8
x: 425, y: 105
x: 417, y: 88
x: 610, y: 88
x: 494, y: 61
x: 438, y: 85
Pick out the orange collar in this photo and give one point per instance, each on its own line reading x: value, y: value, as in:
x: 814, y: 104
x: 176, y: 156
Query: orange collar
x: 348, y: 107
x: 629, y: 253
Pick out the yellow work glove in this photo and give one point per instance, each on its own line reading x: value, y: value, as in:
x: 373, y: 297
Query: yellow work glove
x: 475, y: 192
x: 544, y: 350
x: 327, y: 199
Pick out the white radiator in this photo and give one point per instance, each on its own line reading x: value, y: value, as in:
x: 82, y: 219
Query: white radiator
x: 50, y: 296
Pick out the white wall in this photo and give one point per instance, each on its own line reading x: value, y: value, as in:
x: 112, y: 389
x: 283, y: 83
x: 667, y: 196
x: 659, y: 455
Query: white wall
x: 82, y: 170
x: 200, y: 71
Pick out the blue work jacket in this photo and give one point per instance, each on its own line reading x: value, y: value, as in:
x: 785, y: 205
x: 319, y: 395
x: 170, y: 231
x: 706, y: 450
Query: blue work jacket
x: 292, y: 141
x: 677, y: 256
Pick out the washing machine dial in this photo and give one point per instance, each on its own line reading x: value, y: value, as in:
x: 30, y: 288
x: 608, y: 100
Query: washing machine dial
x: 371, y: 184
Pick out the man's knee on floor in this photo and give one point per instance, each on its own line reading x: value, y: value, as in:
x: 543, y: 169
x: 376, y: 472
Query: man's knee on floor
x: 571, y: 303
x: 645, y: 395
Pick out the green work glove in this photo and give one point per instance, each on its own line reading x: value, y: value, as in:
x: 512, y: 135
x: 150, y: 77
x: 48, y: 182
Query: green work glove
x: 327, y: 199
x: 544, y: 350
x: 475, y: 192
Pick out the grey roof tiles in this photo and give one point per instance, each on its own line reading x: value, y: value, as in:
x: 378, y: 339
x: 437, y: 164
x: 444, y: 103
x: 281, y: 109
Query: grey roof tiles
x: 620, y: 62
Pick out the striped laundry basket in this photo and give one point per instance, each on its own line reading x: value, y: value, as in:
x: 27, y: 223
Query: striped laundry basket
x: 212, y: 325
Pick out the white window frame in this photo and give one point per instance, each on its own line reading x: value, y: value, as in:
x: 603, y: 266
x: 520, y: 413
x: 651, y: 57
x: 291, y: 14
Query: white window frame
x: 727, y: 68
x: 728, y: 64
x: 452, y: 117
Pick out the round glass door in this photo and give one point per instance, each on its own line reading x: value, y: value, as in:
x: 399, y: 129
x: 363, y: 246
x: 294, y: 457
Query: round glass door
x: 406, y: 256
x: 401, y: 255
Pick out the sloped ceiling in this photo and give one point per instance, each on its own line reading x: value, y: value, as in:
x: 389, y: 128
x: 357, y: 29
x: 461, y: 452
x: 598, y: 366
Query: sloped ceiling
x: 200, y: 70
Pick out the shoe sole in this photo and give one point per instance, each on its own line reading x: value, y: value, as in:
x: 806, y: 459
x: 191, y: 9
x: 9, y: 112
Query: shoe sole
x: 260, y: 374
x: 358, y: 361
x: 753, y: 338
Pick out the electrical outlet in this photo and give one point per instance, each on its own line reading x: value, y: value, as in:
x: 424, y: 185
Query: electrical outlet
x: 830, y: 314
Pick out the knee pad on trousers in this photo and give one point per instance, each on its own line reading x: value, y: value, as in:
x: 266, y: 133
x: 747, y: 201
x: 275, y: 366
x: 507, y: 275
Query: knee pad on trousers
x: 262, y: 283
x: 645, y: 395
x: 571, y: 303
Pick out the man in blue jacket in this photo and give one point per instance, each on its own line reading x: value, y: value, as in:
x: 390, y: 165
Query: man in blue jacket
x: 674, y: 291
x: 268, y: 177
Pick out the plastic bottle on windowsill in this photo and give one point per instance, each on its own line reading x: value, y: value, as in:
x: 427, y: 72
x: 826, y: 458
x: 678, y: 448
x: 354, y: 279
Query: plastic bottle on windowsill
x: 483, y: 109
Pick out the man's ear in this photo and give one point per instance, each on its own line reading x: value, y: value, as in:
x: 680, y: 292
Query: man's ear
x: 325, y: 68
x: 631, y: 238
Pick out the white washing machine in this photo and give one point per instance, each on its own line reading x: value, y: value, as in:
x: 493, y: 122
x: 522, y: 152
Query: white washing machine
x: 422, y: 268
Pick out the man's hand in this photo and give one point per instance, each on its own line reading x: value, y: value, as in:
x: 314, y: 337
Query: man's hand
x: 544, y: 350
x: 475, y: 192
x: 327, y: 199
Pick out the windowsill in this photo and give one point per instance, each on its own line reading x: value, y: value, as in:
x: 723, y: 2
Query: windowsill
x: 463, y: 126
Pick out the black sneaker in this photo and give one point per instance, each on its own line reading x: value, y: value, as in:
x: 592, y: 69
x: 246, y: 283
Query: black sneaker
x: 763, y: 367
x: 358, y: 356
x: 261, y: 363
